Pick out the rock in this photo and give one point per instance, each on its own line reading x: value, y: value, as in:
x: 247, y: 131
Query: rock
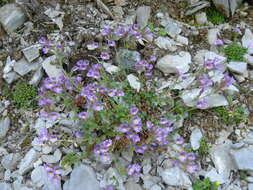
x: 197, y: 6
x: 247, y: 40
x: 149, y: 181
x: 213, y: 100
x: 227, y: 7
x: 7, y: 175
x: 83, y: 177
x: 110, y: 68
x: 184, y: 83
x: 51, y: 69
x: 36, y: 78
x: 5, y: 186
x: 112, y: 177
x: 10, y: 161
x: 222, y: 160
x: 38, y: 175
x: 182, y: 40
x: 52, y: 159
x: 195, y: 138
x: 47, y: 149
x: 166, y: 43
x: 176, y: 177
x: 22, y: 67
x: 250, y: 186
x: 11, y: 17
x: 242, y: 158
x: 231, y: 90
x: 132, y: 186
x: 174, y: 63
x: 31, y: 53
x: 212, y: 35
x: 201, y: 18
x: 4, y: 126
x: 249, y: 59
x: 8, y: 65
x: 214, y: 176
x: 143, y: 14
x: 172, y: 28
x: 237, y: 67
x: 127, y: 59
x: 56, y: 16
x: 10, y: 77
x: 156, y: 187
x: 134, y: 82
x: 26, y: 163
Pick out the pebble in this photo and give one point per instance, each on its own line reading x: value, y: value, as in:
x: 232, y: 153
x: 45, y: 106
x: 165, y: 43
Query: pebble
x: 195, y: 138
x: 5, y: 186
x: 143, y: 15
x: 52, y: 159
x: 201, y: 18
x: 31, y: 53
x: 26, y: 163
x: 243, y: 158
x: 134, y: 82
x: 237, y: 67
x: 127, y: 58
x: 51, y: 69
x: 4, y: 126
x: 166, y: 43
x: 10, y: 161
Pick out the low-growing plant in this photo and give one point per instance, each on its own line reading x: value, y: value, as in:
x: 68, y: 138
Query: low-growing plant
x: 214, y: 16
x: 24, y: 95
x: 204, y: 148
x: 235, y: 115
x: 205, y: 184
x: 235, y: 52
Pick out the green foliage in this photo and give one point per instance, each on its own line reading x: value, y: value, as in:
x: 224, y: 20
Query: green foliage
x: 235, y: 52
x: 71, y: 159
x: 24, y: 95
x: 205, y: 184
x: 204, y: 148
x: 234, y: 116
x: 159, y: 31
x: 243, y: 175
x: 214, y: 16
x: 2, y: 2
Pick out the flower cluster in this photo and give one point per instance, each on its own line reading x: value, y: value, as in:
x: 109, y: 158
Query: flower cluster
x: 186, y: 161
x: 49, y: 46
x: 102, y: 150
x: 134, y: 169
x: 53, y: 172
x: 45, y: 137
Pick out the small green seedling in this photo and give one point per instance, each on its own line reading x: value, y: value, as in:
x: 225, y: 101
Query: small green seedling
x: 214, y: 16
x: 205, y: 184
x: 235, y: 52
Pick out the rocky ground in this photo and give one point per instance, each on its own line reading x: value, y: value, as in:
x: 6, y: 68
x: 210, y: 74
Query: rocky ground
x: 200, y: 68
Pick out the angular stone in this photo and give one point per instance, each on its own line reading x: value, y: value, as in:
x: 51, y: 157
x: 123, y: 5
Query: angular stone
x: 112, y: 177
x: 52, y: 159
x: 83, y: 177
x: 36, y: 78
x: 11, y: 17
x: 237, y: 67
x: 213, y: 100
x: 201, y: 18
x: 134, y: 82
x: 51, y: 69
x: 132, y: 186
x: 10, y: 77
x: 212, y: 35
x: 37, y: 176
x: 247, y: 41
x: 26, y: 163
x: 227, y: 7
x: 4, y: 126
x: 249, y: 59
x: 166, y: 43
x: 10, y: 161
x: 222, y: 160
x: 243, y: 158
x: 31, y: 53
x: 127, y: 59
x: 22, y: 67
x: 214, y: 176
x: 5, y: 186
x: 176, y: 177
x: 195, y: 138
x: 143, y: 14
x: 175, y: 63
x: 172, y: 28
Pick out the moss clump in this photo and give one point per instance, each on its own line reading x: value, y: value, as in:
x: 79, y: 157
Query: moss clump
x: 235, y: 52
x: 214, y: 16
x: 24, y: 96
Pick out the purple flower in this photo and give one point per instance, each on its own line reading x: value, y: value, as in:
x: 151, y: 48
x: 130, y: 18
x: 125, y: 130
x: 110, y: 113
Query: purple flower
x: 45, y: 137
x: 228, y: 80
x: 123, y: 128
x: 109, y: 188
x: 134, y: 110
x: 149, y: 125
x: 191, y: 167
x: 97, y: 106
x: 42, y: 40
x: 81, y: 65
x: 182, y: 156
x: 218, y: 42
x: 141, y: 149
x: 93, y: 46
x: 163, y: 121
x: 137, y: 128
x: 136, y: 26
x: 83, y: 115
x: 105, y: 31
x: 153, y: 58
x: 92, y: 73
x: 191, y: 156
x: 205, y: 82
x: 238, y: 31
x: 179, y: 140
x: 121, y: 31
x: 136, y: 120
x: 134, y: 169
x: 104, y: 56
x: 79, y: 134
x: 45, y: 102
x: 53, y: 116
x: 209, y: 64
x: 111, y: 43
x: 53, y: 173
x: 202, y: 103
x: 132, y: 136
x: 120, y: 93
